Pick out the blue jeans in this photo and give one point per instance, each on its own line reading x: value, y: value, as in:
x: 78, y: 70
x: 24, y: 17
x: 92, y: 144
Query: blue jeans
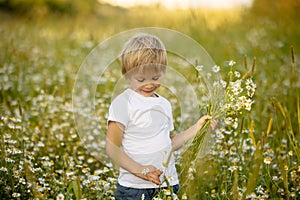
x: 127, y: 193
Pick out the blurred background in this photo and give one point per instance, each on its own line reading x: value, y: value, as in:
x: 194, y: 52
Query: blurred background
x: 46, y: 36
x: 225, y: 28
x: 44, y: 42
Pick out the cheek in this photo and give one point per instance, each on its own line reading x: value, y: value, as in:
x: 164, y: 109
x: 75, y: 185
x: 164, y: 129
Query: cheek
x: 135, y: 85
x: 157, y: 85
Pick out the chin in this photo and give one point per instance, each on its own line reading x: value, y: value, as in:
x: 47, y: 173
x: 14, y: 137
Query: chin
x: 147, y: 94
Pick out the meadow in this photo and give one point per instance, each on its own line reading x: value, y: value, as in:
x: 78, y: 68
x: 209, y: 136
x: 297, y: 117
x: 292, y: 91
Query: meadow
x: 255, y: 155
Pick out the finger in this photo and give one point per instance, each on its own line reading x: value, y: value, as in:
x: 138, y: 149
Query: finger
x: 205, y: 117
x: 157, y: 172
x: 156, y: 181
x: 214, y: 124
x: 152, y: 174
x: 202, y: 120
x: 153, y: 178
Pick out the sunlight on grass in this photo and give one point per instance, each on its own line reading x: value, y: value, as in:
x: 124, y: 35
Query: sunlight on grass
x: 256, y: 156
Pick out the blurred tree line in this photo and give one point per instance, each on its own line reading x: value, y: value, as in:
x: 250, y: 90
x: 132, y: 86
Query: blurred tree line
x: 277, y: 9
x: 272, y: 8
x: 71, y: 7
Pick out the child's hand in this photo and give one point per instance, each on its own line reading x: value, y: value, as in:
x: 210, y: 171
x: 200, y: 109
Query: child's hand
x: 213, y: 124
x: 152, y: 175
x: 202, y: 121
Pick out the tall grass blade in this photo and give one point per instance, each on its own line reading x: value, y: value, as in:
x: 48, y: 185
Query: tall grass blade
x: 252, y: 133
x: 279, y: 106
x: 270, y: 123
x: 245, y: 62
x: 235, y: 192
x: 290, y: 132
x: 298, y: 111
x: 195, y: 151
x: 20, y: 107
x: 254, y: 174
x: 75, y: 186
x: 293, y: 55
x: 251, y: 71
x: 253, y: 66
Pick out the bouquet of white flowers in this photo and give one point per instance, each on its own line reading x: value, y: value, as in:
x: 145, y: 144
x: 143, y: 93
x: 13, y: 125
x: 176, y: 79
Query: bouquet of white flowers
x: 227, y: 101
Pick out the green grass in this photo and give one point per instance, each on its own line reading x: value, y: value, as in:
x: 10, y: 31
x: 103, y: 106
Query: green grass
x: 41, y: 153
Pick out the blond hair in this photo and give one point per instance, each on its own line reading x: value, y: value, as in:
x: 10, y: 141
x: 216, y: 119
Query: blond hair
x: 143, y: 50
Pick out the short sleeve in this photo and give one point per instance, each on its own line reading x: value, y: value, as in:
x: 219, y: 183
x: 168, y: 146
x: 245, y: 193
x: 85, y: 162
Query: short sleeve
x: 118, y: 111
x: 169, y: 113
x: 171, y: 117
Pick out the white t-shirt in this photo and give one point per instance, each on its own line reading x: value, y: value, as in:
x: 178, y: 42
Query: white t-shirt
x: 148, y: 122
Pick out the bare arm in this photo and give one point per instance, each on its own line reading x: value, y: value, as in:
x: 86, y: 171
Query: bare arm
x: 113, y: 142
x: 190, y: 133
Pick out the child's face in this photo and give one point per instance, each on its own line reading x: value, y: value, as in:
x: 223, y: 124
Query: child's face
x: 146, y: 83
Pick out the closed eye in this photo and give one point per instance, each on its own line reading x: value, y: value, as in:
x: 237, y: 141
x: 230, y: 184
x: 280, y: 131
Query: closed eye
x: 140, y: 80
x: 155, y: 78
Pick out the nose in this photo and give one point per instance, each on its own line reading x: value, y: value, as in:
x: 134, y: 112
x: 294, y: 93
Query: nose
x: 150, y: 82
x: 149, y: 85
